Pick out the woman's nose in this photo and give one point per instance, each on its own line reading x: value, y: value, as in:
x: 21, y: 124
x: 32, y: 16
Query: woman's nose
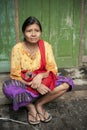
x: 33, y: 33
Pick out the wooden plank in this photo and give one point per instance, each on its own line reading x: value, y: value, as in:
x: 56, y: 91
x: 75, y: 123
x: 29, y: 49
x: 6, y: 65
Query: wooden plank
x: 84, y: 36
x: 81, y: 33
x: 27, y: 8
x: 76, y: 31
x: 45, y: 8
x: 61, y: 26
x: 16, y: 20
x: 7, y: 33
x: 61, y: 31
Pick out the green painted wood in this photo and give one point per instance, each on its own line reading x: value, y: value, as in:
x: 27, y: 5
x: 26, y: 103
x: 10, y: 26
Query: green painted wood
x: 7, y: 33
x: 65, y: 31
x: 61, y: 26
x: 28, y: 8
x: 76, y: 31
x: 85, y: 29
x: 45, y: 19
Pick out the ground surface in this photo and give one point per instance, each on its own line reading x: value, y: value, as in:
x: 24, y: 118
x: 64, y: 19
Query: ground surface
x: 69, y: 113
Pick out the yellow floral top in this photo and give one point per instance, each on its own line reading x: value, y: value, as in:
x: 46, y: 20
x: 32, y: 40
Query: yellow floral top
x: 21, y: 60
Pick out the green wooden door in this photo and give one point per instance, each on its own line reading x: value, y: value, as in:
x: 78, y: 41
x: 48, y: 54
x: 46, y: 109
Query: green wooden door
x: 7, y: 33
x: 61, y: 26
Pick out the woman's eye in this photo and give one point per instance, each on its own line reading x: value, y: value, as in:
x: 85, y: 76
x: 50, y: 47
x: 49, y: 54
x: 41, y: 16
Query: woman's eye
x: 37, y: 30
x: 32, y: 30
x: 29, y: 30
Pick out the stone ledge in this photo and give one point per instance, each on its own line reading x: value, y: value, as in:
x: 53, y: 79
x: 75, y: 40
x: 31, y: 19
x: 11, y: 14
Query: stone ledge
x: 75, y: 95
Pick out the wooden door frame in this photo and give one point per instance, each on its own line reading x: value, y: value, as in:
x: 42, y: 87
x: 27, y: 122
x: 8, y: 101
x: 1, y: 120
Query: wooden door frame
x: 82, y: 58
x: 16, y: 20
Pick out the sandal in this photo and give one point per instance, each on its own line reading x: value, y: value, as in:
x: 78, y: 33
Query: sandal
x: 44, y: 118
x: 35, y: 121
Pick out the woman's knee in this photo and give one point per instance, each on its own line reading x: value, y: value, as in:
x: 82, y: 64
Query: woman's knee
x: 53, y: 92
x: 6, y: 88
x: 63, y: 87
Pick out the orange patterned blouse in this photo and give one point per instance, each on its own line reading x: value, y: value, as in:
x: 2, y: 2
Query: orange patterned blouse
x: 21, y: 60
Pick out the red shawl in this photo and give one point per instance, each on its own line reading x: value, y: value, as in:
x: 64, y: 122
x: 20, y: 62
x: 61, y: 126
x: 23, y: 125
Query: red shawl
x: 49, y: 81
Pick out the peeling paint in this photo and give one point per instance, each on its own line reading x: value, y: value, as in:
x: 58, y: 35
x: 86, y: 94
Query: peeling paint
x: 74, y: 38
x: 86, y: 43
x: 69, y: 21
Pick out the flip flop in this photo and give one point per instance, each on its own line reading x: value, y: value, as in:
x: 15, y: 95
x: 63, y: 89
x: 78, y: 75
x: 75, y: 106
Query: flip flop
x: 45, y: 119
x: 35, y: 122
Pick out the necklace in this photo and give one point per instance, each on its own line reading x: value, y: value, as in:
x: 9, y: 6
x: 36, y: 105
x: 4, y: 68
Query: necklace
x: 32, y: 50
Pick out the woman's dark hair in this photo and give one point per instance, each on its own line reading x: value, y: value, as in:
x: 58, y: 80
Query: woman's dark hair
x: 29, y: 21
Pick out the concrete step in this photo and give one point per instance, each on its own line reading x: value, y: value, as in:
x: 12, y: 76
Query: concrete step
x: 75, y: 95
x: 3, y: 99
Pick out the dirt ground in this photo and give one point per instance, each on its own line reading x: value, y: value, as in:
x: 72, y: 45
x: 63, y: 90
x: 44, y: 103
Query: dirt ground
x: 67, y: 113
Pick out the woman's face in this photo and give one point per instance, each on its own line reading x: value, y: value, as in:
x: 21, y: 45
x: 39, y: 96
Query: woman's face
x: 32, y: 33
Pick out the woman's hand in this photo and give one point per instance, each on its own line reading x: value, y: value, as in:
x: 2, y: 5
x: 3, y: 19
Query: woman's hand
x: 42, y: 89
x: 36, y: 82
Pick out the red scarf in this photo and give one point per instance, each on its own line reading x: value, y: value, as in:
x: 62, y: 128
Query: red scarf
x: 50, y: 80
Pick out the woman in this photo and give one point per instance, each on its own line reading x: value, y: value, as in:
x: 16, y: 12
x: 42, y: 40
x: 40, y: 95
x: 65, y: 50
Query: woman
x: 33, y: 77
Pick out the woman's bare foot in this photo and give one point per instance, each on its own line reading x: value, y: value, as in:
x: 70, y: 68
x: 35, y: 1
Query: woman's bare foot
x: 43, y: 114
x: 33, y: 117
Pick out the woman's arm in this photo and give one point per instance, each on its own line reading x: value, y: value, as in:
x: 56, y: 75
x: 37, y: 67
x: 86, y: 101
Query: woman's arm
x: 15, y: 67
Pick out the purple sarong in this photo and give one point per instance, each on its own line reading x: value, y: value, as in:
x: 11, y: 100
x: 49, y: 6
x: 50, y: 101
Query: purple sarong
x: 62, y: 79
x: 20, y: 96
x: 17, y: 91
